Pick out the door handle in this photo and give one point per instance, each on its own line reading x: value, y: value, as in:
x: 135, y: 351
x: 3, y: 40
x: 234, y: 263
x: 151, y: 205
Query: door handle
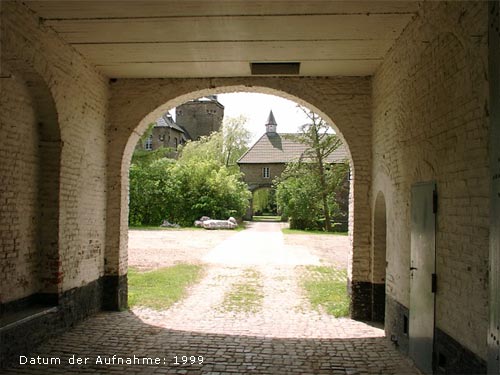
x: 413, y: 268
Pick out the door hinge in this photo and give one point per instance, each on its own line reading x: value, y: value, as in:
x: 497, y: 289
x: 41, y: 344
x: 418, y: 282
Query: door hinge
x: 434, y: 283
x: 434, y: 202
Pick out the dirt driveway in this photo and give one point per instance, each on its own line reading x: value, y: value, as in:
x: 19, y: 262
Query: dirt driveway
x: 277, y: 262
x: 150, y: 249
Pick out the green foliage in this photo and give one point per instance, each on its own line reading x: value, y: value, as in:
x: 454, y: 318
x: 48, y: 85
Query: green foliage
x: 299, y: 194
x: 236, y: 139
x: 264, y: 201
x: 160, y: 289
x: 145, y: 157
x: 153, y: 192
x: 326, y: 289
x: 208, y: 188
x: 224, y: 147
x: 206, y: 148
x: 320, y: 232
x: 307, y: 191
x: 199, y: 183
x: 266, y: 218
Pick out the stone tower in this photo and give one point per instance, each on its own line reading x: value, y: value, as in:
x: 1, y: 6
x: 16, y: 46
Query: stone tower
x: 200, y: 117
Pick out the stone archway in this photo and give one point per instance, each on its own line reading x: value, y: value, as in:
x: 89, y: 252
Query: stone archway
x: 33, y: 187
x: 32, y: 278
x: 344, y: 102
x: 253, y: 189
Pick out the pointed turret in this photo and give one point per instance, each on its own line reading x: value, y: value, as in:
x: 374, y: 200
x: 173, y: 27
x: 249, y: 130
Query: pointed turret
x: 271, y: 123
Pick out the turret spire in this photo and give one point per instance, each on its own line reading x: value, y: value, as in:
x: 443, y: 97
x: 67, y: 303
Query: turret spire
x: 271, y: 123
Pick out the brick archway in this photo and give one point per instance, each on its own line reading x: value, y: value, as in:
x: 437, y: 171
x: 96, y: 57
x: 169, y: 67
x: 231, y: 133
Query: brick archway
x: 30, y: 193
x: 344, y: 102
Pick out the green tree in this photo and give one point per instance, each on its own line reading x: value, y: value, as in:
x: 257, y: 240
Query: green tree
x: 201, y: 182
x: 153, y: 190
x: 307, y: 188
x: 207, y: 188
x: 264, y: 201
x: 235, y: 139
x: 225, y: 146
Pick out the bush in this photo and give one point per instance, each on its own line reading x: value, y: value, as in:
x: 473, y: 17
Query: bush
x: 298, y: 195
x: 200, y: 183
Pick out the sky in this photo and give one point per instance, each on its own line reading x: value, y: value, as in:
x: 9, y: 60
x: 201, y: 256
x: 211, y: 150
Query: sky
x: 255, y: 107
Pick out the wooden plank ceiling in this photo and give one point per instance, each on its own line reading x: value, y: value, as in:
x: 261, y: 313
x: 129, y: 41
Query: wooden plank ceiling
x: 147, y: 39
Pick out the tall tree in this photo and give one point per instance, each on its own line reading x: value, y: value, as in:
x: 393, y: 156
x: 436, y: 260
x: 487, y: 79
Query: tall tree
x: 235, y: 139
x: 321, y: 143
x: 225, y: 146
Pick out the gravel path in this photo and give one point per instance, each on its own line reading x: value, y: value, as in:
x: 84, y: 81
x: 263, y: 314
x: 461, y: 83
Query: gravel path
x: 279, y: 259
x: 150, y: 249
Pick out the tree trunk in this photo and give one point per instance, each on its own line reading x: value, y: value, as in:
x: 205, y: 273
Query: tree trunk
x: 322, y: 179
x: 324, y: 196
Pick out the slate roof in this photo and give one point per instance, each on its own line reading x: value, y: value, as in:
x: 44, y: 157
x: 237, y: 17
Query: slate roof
x: 167, y: 121
x: 271, y: 120
x: 279, y: 148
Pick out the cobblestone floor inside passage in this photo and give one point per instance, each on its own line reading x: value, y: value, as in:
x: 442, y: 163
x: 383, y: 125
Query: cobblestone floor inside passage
x: 286, y: 336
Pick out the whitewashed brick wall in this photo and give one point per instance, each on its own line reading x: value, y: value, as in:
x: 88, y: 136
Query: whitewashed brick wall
x: 18, y: 191
x: 80, y: 95
x: 430, y: 123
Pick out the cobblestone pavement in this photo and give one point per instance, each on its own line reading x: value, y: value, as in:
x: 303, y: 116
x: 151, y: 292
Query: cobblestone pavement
x: 284, y: 336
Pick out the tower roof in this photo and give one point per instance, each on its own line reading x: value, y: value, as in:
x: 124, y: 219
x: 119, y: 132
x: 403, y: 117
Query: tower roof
x: 270, y: 119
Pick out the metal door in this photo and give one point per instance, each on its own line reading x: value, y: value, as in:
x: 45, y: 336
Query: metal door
x: 422, y: 274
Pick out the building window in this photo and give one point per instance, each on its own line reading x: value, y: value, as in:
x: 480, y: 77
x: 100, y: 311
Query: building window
x: 148, y: 145
x: 162, y: 137
x: 265, y: 172
x: 175, y: 141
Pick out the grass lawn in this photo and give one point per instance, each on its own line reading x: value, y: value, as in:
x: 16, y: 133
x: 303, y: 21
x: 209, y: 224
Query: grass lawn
x: 239, y: 228
x: 160, y: 289
x: 266, y: 218
x: 326, y: 289
x: 301, y: 231
x: 148, y: 227
x: 245, y: 296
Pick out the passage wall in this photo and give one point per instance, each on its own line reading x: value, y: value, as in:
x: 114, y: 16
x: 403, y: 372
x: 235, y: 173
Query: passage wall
x: 33, y: 57
x: 431, y: 123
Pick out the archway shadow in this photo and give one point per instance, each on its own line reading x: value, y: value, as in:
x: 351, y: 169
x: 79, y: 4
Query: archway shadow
x: 124, y: 335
